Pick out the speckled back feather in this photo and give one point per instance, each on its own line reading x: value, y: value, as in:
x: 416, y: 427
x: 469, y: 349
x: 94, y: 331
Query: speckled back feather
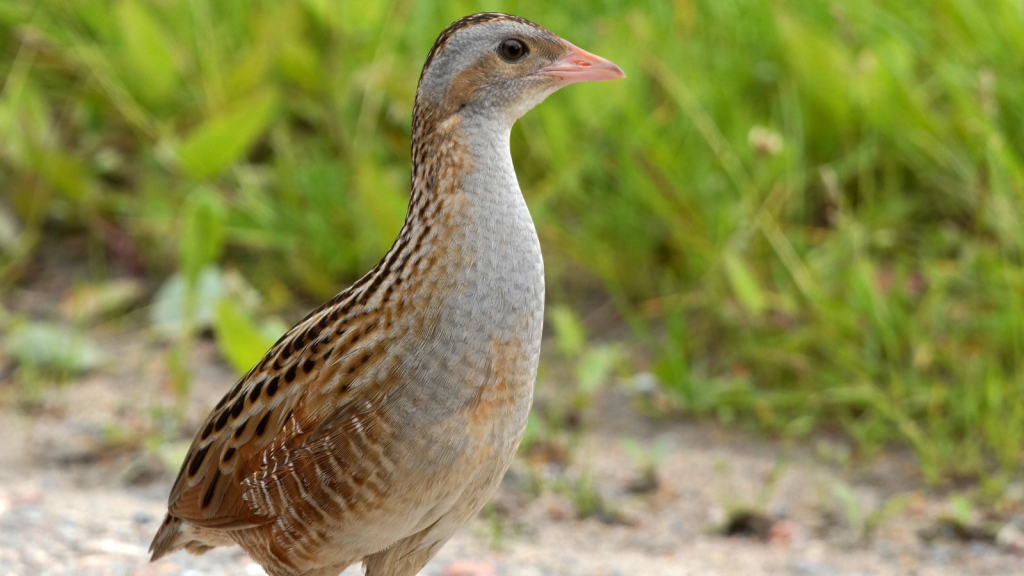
x: 270, y: 427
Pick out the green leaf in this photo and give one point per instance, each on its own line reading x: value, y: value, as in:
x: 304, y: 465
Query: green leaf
x: 852, y: 507
x: 595, y: 367
x: 93, y: 301
x: 170, y: 314
x: 176, y: 311
x: 238, y: 337
x: 222, y: 139
x: 65, y: 173
x: 202, y: 237
x: 147, y: 53
x: 569, y: 332
x: 51, y: 347
x: 743, y: 283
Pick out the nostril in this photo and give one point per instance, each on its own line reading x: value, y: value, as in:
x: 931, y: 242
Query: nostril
x: 582, y: 63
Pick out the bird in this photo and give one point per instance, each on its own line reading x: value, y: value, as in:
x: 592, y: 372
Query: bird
x: 383, y: 421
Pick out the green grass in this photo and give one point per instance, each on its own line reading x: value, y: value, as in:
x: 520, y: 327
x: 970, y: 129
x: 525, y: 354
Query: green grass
x: 812, y: 213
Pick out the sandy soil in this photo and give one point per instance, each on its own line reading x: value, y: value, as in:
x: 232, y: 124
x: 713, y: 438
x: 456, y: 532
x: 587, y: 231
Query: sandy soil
x: 78, y: 496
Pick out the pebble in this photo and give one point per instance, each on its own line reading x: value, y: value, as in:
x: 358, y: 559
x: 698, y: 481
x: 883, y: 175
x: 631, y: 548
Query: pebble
x: 523, y: 571
x: 1011, y: 537
x: 805, y: 568
x: 468, y: 568
x: 940, y: 553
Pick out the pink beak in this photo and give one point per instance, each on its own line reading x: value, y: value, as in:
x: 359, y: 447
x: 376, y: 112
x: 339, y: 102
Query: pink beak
x: 581, y: 66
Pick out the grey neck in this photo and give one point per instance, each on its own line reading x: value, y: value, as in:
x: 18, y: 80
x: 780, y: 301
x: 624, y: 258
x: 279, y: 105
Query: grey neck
x: 509, y: 268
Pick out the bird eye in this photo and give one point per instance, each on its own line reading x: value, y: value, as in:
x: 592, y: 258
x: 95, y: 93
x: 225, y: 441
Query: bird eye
x: 512, y: 49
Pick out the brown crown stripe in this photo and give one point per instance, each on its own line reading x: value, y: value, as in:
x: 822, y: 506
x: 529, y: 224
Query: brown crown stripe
x: 466, y: 22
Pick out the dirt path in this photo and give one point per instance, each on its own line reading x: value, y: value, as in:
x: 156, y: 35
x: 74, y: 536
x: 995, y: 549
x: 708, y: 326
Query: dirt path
x: 71, y: 504
x: 52, y: 522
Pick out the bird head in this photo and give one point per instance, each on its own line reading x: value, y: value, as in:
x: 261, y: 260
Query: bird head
x: 500, y: 66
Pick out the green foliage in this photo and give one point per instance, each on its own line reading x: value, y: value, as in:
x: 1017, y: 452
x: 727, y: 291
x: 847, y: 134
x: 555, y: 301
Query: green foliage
x: 221, y: 140
x: 51, y: 348
x: 862, y: 520
x: 810, y: 211
x: 241, y: 341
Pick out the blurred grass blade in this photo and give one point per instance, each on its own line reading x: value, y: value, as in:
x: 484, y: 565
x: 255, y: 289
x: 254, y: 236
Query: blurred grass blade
x: 743, y: 283
x: 171, y: 313
x: 569, y: 332
x: 147, y: 53
x: 222, y: 140
x: 238, y: 337
x: 202, y: 237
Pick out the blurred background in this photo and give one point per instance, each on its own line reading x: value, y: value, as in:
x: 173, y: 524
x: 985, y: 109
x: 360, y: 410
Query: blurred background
x: 794, y: 220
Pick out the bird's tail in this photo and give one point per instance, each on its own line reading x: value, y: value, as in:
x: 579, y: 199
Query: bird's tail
x: 167, y: 539
x: 175, y: 534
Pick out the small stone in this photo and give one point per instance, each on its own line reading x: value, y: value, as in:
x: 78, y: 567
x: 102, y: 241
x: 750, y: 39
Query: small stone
x: 783, y: 532
x: 524, y: 571
x: 978, y: 548
x: 108, y: 546
x: 1010, y: 537
x: 805, y: 568
x: 468, y: 568
x: 31, y: 497
x: 142, y: 518
x: 556, y: 508
x: 917, y: 503
x: 93, y: 561
x: 940, y: 553
x: 645, y: 383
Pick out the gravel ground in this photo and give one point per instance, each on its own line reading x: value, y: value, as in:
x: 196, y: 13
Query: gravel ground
x: 78, y: 520
x: 75, y: 500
